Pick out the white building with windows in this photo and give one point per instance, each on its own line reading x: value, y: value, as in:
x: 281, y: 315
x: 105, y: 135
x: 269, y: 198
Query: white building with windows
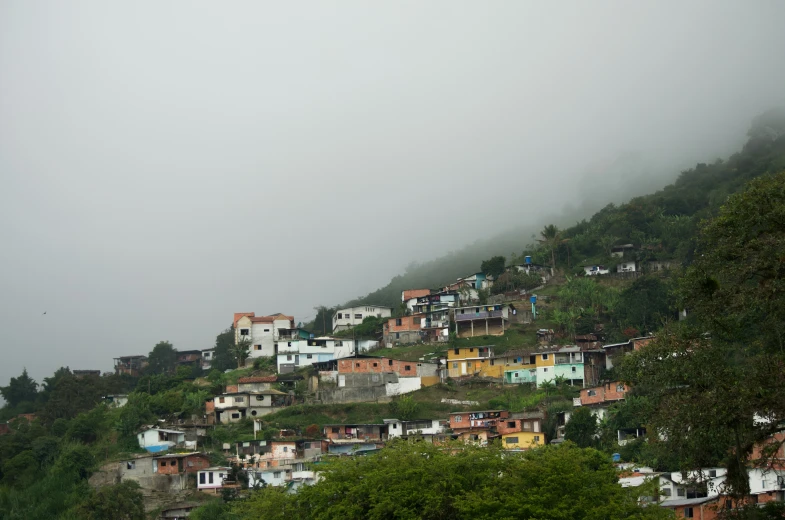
x: 212, y: 479
x: 297, y: 353
x: 345, y: 319
x: 261, y: 331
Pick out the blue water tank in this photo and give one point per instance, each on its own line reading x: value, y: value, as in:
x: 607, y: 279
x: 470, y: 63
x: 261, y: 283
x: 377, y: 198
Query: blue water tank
x: 527, y: 259
x: 533, y: 298
x: 616, y: 457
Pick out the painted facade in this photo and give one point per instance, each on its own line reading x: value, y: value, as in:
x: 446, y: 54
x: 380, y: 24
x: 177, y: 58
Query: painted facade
x: 481, y: 320
x: 261, y: 331
x: 464, y: 361
x: 297, y: 353
x: 344, y: 319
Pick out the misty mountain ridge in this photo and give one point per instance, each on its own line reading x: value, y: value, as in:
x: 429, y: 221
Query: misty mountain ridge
x: 695, y: 193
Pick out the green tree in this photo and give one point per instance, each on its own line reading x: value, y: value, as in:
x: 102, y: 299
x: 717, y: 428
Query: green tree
x: 162, y: 359
x: 645, y: 304
x: 582, y: 428
x: 494, y: 266
x: 241, y: 350
x: 20, y: 390
x: 717, y: 381
x: 223, y: 355
x: 420, y: 480
x: 550, y: 238
x: 123, y: 501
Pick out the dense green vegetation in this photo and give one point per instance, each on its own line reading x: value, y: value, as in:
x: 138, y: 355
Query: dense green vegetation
x: 420, y: 480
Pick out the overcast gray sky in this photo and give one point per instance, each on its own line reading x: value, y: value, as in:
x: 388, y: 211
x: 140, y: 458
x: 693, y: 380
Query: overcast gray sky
x: 165, y: 164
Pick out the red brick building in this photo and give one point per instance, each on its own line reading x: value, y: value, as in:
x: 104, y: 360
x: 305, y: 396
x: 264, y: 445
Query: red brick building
x: 403, y: 330
x: 180, y: 463
x: 607, y: 393
x: 480, y: 420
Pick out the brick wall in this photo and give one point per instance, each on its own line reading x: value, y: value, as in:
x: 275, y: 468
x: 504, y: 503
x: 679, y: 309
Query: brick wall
x: 407, y: 323
x: 607, y: 392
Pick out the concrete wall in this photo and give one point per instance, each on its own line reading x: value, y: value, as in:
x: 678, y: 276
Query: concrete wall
x: 404, y: 385
x: 358, y: 388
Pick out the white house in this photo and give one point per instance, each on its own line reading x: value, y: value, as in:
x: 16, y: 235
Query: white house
x: 212, y: 478
x: 160, y: 439
x: 207, y: 357
x: 349, y: 317
x: 594, y: 270
x: 396, y: 428
x: 297, y: 353
x: 261, y: 331
x: 626, y: 267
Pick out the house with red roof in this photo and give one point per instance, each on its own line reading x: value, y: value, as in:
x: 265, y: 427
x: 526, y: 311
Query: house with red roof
x: 261, y: 331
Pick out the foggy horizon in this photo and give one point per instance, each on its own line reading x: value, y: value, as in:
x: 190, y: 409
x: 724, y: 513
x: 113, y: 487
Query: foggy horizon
x: 166, y: 165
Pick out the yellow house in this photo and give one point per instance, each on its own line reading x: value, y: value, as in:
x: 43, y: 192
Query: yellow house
x: 522, y: 440
x: 466, y: 361
x: 510, y: 360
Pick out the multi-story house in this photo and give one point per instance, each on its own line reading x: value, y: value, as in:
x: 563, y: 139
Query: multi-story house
x: 435, y: 310
x: 130, y: 365
x: 234, y: 406
x: 345, y: 439
x: 409, y: 297
x: 521, y: 431
x: 481, y: 320
x: 466, y: 361
x: 261, y: 332
x: 404, y: 330
x: 600, y: 398
x: 477, y: 427
x: 344, y: 319
x: 296, y: 353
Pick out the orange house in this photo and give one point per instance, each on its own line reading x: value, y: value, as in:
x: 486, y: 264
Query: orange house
x: 180, y: 463
x: 609, y: 392
x: 403, y: 330
x: 480, y: 420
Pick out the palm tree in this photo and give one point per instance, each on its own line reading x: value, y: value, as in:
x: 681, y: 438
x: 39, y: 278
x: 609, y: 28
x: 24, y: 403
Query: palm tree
x: 550, y: 237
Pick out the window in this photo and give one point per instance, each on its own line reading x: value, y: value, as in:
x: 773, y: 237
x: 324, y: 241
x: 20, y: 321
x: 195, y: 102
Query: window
x: 235, y: 416
x: 221, y: 399
x: 267, y: 330
x: 253, y: 412
x: 276, y: 474
x: 397, y: 335
x: 545, y: 369
x: 288, y: 358
x: 335, y: 430
x: 469, y: 364
x: 416, y: 321
x: 398, y: 322
x: 358, y: 316
x: 591, y: 393
x: 243, y: 332
x: 407, y: 367
x: 285, y: 449
x: 201, y: 478
x: 131, y: 464
x: 544, y: 357
x: 210, y: 477
x: 455, y: 365
x: 620, y: 387
x: 357, y: 365
x: 574, y: 369
x: 288, y: 343
x: 687, y: 512
x: 257, y: 347
x: 390, y: 362
x: 471, y: 350
x: 458, y: 418
x: 510, y: 424
x: 713, y: 473
x: 337, y: 344
x: 340, y: 316
x: 680, y: 492
x: 511, y: 440
x: 173, y: 463
x: 666, y: 491
x: 239, y: 399
x: 309, y: 356
x: 260, y: 398
x: 516, y: 374
x: 376, y: 364
x: 536, y: 438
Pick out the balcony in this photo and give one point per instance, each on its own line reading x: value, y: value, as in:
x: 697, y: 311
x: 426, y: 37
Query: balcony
x: 478, y: 315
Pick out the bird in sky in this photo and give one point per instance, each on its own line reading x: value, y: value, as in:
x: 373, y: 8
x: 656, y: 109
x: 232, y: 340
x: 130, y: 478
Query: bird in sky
x: 44, y: 313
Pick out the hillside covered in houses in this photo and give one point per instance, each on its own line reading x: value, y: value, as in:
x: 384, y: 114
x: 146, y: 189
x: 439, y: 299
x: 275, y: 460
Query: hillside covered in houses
x: 629, y: 366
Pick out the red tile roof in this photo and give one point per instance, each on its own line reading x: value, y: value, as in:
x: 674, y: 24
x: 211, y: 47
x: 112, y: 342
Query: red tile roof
x: 257, y: 379
x: 238, y: 315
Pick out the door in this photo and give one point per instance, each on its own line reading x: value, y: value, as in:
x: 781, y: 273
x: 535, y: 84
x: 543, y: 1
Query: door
x: 297, y: 360
x: 463, y: 368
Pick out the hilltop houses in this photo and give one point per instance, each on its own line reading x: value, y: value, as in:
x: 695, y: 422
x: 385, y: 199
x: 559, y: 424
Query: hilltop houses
x: 344, y: 319
x: 403, y: 330
x: 261, y: 332
x: 481, y: 320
